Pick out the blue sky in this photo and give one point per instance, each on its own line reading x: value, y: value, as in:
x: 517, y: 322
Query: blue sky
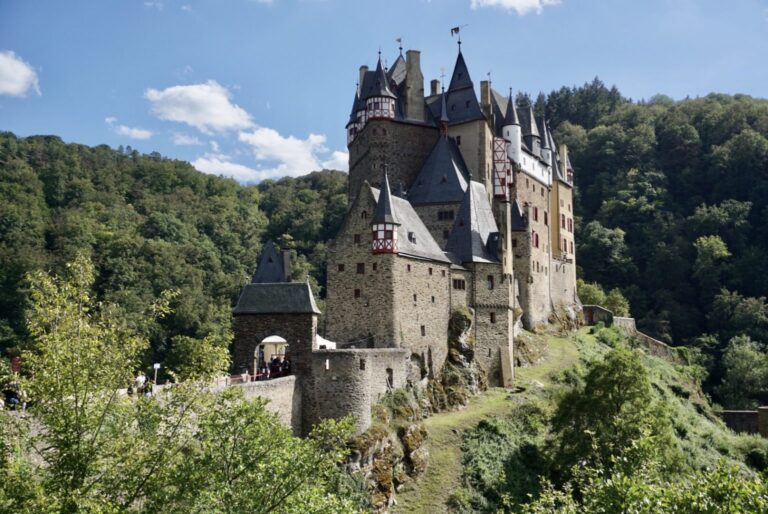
x: 260, y: 89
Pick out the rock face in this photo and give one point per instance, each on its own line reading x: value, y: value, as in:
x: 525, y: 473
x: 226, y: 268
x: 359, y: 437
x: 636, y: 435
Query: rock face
x: 387, y: 460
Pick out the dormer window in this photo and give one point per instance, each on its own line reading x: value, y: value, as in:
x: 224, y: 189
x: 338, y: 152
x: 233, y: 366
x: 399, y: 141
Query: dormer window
x: 412, y: 237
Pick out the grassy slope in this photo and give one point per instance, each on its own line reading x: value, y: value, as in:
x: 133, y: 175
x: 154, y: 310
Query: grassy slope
x: 702, y: 437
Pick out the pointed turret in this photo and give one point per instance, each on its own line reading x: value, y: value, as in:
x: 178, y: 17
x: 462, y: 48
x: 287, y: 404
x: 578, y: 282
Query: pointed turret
x: 273, y: 267
x: 462, y: 102
x: 531, y: 133
x: 443, y: 116
x: 381, y: 83
x: 546, y: 148
x: 512, y: 131
x: 385, y: 222
x: 376, y: 97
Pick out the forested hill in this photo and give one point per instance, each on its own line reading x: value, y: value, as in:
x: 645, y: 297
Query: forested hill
x: 150, y: 224
x: 671, y: 196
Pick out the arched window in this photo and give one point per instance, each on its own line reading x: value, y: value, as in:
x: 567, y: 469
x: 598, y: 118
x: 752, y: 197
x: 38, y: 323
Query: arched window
x: 364, y: 214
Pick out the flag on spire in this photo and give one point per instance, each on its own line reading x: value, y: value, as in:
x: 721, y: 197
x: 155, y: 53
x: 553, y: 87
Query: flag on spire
x: 455, y: 30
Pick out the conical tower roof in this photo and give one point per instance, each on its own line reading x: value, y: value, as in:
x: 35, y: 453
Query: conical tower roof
x: 385, y: 213
x: 270, y: 268
x: 511, y: 117
x: 533, y: 129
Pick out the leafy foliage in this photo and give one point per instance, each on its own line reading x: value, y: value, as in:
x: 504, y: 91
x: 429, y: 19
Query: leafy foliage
x: 185, y: 449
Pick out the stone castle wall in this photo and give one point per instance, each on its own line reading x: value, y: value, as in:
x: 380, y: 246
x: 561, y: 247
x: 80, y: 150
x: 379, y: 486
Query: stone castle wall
x: 284, y: 397
x: 562, y: 276
x: 474, y: 140
x: 402, y: 146
x: 348, y: 382
x: 437, y: 227
x: 422, y: 309
x: 531, y: 264
x: 494, y: 319
x: 375, y: 302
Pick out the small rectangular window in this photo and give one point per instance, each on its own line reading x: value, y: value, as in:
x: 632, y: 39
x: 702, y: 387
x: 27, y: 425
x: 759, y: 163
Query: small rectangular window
x: 443, y: 272
x: 361, y: 268
x: 493, y: 317
x: 430, y: 271
x: 375, y: 266
x: 357, y: 293
x: 362, y: 364
x: 535, y: 214
x: 341, y: 267
x: 433, y: 299
x: 408, y: 267
x: 514, y: 243
x: 414, y: 297
x: 423, y: 330
x: 357, y: 239
x: 546, y: 218
x: 542, y: 191
x: 490, y: 282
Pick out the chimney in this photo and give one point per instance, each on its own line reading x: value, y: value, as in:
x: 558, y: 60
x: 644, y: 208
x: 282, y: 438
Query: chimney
x: 363, y: 70
x: 434, y: 87
x: 414, y: 86
x: 485, y: 98
x: 287, y: 264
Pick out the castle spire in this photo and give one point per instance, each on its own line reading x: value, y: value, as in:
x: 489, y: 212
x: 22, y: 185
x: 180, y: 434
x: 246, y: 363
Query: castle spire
x: 511, y: 117
x: 443, y: 115
x: 533, y: 129
x: 385, y: 221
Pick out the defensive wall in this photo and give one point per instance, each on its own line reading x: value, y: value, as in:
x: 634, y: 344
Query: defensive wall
x: 747, y: 421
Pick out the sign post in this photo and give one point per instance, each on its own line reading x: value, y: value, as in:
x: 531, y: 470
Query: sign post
x: 156, y: 366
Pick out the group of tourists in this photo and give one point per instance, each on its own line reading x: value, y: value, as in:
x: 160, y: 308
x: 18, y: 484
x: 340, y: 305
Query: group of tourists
x: 279, y: 366
x: 141, y: 385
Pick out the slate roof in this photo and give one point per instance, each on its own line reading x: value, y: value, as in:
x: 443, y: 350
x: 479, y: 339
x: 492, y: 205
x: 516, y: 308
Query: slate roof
x: 425, y: 246
x: 519, y: 222
x: 511, y: 117
x: 530, y: 128
x: 443, y: 177
x: 474, y: 228
x: 462, y: 101
x: 270, y: 268
x: 375, y: 83
x: 284, y: 298
x: 385, y: 213
x: 397, y: 71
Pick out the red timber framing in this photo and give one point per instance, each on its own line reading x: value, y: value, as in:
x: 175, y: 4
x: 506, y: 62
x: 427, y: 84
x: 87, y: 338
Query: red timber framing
x: 502, y: 172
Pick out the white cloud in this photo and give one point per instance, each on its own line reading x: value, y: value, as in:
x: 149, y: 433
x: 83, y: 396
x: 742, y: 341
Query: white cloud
x: 16, y: 76
x: 185, y: 140
x: 217, y: 164
x: 214, y: 146
x: 207, y: 107
x: 153, y: 3
x: 338, y: 161
x: 131, y: 132
x: 521, y: 7
x: 186, y: 7
x: 290, y: 156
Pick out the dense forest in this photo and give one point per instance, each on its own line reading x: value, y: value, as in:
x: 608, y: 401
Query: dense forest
x: 671, y: 200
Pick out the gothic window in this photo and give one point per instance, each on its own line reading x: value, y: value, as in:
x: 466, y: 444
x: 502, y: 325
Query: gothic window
x: 571, y: 246
x: 364, y: 214
x: 493, y: 317
x: 357, y: 293
x: 536, y: 238
x: 341, y: 267
x: 360, y: 268
x: 562, y: 220
x: 565, y: 245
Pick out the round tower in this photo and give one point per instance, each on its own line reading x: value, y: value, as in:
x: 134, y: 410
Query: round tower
x: 512, y: 132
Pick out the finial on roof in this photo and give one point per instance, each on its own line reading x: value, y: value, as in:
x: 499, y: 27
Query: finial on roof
x: 400, y: 44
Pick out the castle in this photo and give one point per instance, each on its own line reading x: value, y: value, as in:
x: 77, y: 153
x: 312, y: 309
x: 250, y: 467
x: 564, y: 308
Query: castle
x: 454, y: 200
